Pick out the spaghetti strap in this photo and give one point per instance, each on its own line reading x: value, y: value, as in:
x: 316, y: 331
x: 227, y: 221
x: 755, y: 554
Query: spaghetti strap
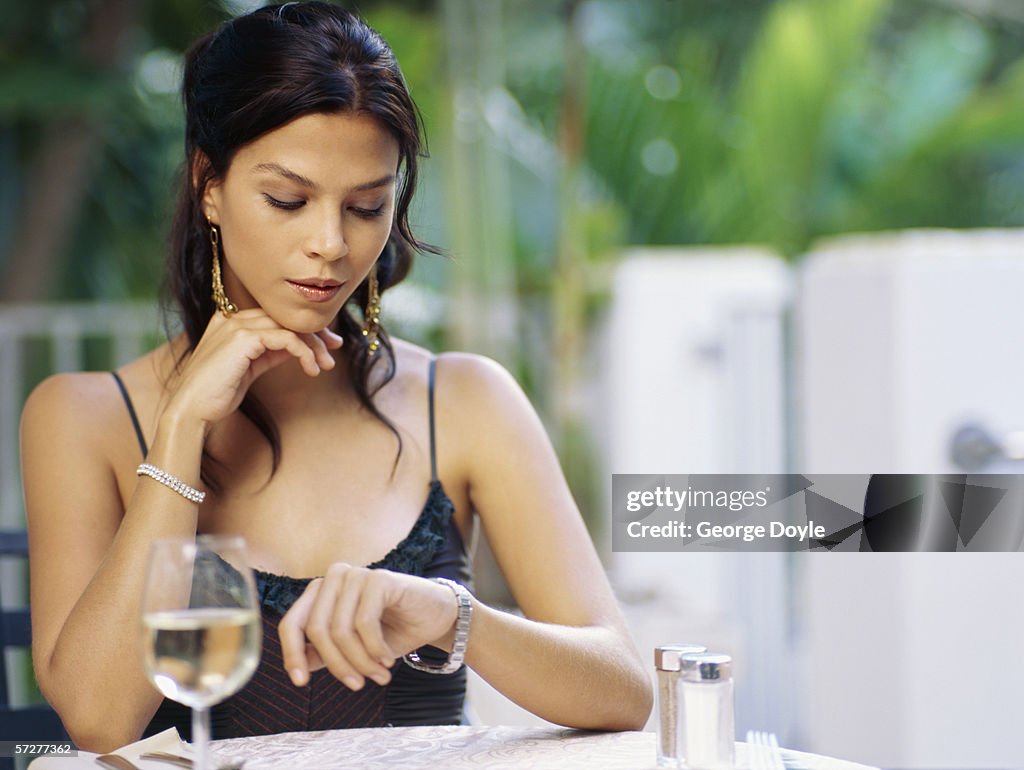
x: 131, y: 413
x: 433, y: 451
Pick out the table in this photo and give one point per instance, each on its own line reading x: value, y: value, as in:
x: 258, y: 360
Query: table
x: 431, y: 748
x: 458, y: 748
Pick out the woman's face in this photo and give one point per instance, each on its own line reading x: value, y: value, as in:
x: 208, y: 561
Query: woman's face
x: 304, y: 211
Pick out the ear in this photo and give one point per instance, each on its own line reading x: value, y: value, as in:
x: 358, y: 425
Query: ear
x: 207, y: 184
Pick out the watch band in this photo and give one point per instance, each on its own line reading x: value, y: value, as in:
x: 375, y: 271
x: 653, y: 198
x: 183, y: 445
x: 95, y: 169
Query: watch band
x: 464, y: 599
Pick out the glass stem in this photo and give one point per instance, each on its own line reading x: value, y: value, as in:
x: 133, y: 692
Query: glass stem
x: 200, y: 737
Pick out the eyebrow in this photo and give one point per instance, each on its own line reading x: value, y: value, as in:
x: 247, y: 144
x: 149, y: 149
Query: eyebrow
x: 310, y: 184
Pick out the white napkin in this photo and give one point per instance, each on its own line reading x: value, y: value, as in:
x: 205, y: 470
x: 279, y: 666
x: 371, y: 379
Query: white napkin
x: 168, y: 740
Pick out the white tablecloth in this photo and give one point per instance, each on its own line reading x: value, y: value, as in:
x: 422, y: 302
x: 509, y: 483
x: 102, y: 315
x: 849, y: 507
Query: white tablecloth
x: 435, y: 748
x: 457, y: 748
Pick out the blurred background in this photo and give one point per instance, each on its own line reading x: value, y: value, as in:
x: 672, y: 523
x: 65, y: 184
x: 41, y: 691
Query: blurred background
x: 707, y: 236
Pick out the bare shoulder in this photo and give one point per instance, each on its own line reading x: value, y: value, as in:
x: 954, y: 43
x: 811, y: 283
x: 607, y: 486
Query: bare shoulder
x: 478, y: 382
x: 71, y: 401
x: 86, y: 408
x: 410, y: 359
x: 459, y: 376
x: 485, y: 407
x: 475, y: 399
x: 66, y: 454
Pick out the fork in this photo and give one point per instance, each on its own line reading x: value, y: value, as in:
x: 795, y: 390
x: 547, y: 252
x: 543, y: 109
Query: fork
x: 763, y: 751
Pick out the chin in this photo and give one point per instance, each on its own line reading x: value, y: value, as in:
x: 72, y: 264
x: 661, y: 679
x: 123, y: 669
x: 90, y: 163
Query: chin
x: 305, y: 321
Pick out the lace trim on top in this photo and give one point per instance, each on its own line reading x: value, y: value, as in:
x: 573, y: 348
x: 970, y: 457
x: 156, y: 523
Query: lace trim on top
x: 410, y: 556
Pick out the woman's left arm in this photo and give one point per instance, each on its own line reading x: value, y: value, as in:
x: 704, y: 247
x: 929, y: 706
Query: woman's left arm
x: 571, y: 659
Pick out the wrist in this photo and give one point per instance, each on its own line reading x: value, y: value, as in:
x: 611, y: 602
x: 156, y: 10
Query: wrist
x: 456, y: 639
x: 446, y: 640
x: 177, y: 447
x: 177, y: 423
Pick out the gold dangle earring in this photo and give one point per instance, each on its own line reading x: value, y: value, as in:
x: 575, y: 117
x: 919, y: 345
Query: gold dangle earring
x: 371, y: 315
x: 226, y: 306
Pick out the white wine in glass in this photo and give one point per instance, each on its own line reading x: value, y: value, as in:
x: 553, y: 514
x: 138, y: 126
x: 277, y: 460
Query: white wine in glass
x: 201, y: 625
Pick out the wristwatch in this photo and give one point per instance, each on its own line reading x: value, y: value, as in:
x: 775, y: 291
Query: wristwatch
x: 458, y: 653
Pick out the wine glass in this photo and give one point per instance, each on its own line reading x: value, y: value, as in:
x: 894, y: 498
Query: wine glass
x: 201, y: 624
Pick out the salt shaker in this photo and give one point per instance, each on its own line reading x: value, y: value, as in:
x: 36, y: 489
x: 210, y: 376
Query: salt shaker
x: 707, y: 728
x: 666, y: 663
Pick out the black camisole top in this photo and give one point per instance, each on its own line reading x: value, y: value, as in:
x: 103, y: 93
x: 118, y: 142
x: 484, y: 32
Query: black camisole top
x: 270, y: 703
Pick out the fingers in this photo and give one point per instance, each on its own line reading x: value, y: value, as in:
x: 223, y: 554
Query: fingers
x: 315, y: 661
x: 367, y: 624
x: 340, y: 618
x: 319, y: 343
x: 262, y: 340
x: 291, y: 632
x: 234, y: 352
x: 323, y: 356
x: 332, y: 340
x: 332, y: 626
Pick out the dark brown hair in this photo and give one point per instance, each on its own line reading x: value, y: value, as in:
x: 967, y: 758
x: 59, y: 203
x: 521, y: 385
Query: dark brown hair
x: 254, y: 74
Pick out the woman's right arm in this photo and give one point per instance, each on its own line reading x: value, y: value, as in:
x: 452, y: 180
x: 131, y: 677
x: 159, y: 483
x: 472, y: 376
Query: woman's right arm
x: 89, y: 554
x: 89, y: 548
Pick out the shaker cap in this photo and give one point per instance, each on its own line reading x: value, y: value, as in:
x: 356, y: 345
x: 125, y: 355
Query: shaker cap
x: 706, y: 667
x: 666, y: 656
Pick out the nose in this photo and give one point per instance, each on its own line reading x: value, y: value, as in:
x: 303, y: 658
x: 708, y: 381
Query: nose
x: 327, y: 240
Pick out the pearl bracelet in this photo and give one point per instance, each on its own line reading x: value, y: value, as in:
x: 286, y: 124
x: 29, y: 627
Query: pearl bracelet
x: 171, y: 482
x: 458, y: 653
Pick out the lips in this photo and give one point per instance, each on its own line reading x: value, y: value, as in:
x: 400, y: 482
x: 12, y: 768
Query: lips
x: 316, y: 289
x: 317, y: 283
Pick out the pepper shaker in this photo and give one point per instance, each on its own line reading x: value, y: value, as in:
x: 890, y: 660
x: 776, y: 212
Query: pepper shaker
x: 707, y: 728
x: 667, y: 664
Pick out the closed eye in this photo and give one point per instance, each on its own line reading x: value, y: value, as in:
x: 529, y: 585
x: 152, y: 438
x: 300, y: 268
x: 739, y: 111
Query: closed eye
x: 279, y: 204
x: 368, y: 213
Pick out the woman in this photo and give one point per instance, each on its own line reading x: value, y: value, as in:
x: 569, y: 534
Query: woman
x: 311, y: 433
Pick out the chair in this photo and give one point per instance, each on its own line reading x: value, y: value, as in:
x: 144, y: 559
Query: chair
x: 37, y: 722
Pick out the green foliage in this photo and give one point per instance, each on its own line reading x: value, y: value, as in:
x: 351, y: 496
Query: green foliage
x: 415, y: 38
x: 836, y: 116
x: 36, y: 90
x: 784, y: 98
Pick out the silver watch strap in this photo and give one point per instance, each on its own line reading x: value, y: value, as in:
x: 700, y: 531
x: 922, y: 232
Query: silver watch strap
x: 462, y: 621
